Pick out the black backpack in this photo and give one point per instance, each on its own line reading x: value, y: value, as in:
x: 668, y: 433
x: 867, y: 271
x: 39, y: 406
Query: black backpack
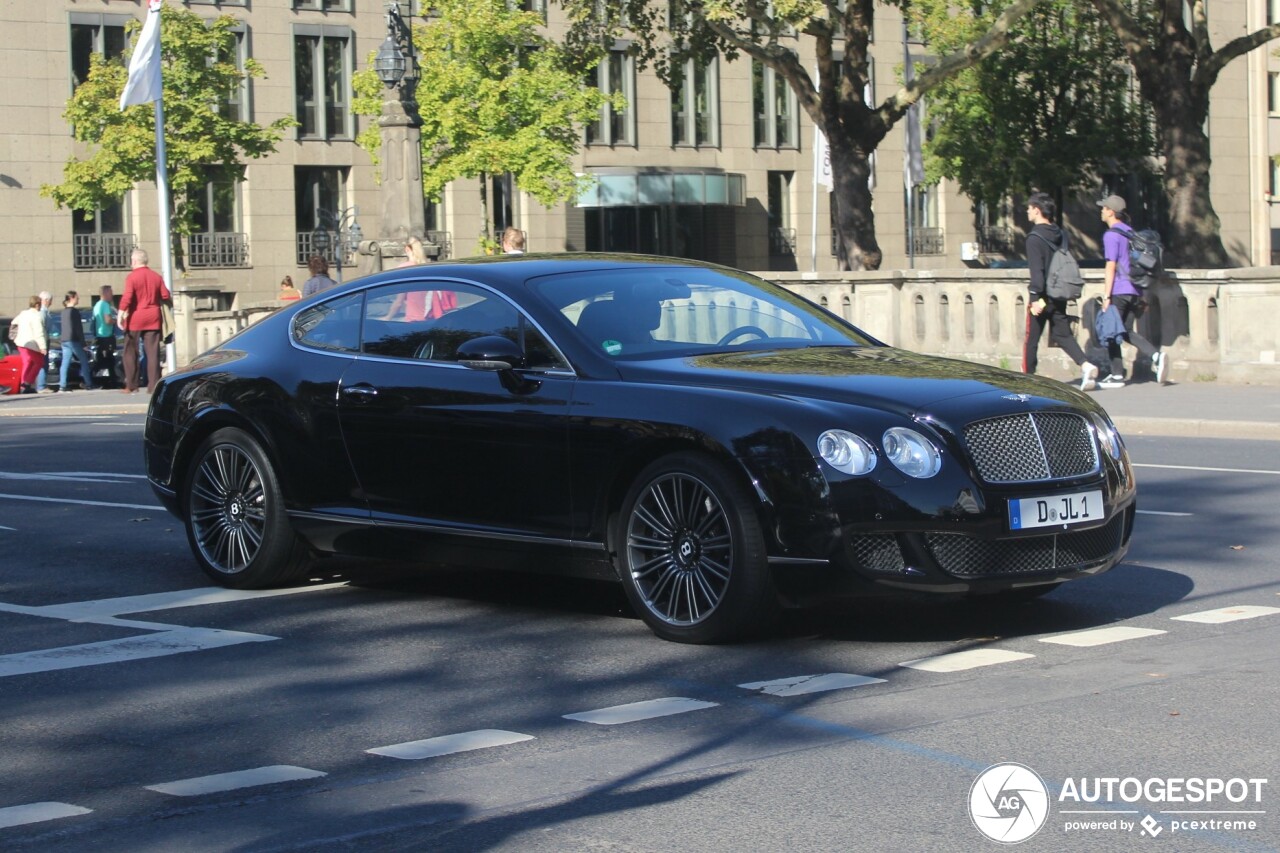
x: 1146, y: 256
x: 1063, y: 279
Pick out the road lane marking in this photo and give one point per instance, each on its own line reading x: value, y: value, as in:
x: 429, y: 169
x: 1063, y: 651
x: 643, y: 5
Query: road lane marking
x: 71, y: 476
x: 153, y: 507
x: 104, y: 608
x: 1158, y: 512
x: 959, y: 661
x: 38, y: 813
x: 802, y: 684
x: 156, y: 645
x: 1101, y: 636
x: 449, y: 744
x: 636, y: 711
x: 1227, y: 614
x: 1199, y: 468
x: 220, y: 782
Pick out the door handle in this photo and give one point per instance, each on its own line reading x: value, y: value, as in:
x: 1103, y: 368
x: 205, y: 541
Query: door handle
x: 362, y: 393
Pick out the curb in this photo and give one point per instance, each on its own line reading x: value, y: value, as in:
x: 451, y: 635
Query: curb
x: 1196, y: 428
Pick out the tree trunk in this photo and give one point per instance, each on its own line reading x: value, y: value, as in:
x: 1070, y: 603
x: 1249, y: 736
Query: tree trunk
x: 485, y: 240
x: 855, y: 218
x: 1195, y: 237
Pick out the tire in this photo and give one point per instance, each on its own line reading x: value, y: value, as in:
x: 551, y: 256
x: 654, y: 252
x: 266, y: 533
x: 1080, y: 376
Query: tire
x: 691, y: 553
x: 235, y: 515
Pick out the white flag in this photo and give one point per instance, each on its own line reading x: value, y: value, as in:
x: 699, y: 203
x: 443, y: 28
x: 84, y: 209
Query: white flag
x: 144, y: 83
x: 822, y: 159
x: 913, y: 164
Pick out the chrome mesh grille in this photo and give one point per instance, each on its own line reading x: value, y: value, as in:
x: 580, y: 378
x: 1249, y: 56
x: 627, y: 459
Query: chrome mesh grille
x: 1033, y: 446
x: 965, y: 556
x: 877, y: 553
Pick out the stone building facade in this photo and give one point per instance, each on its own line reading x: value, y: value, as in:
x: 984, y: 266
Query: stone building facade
x: 723, y: 172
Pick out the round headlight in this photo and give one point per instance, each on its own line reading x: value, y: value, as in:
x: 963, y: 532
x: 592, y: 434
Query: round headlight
x: 1108, y: 435
x: 846, y: 452
x: 912, y: 453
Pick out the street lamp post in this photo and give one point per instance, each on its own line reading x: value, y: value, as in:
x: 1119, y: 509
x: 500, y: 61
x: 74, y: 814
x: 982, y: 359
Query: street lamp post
x: 403, y: 214
x: 347, y: 234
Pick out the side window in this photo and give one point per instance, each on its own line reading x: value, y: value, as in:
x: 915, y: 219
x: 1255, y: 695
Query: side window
x: 428, y: 321
x: 332, y: 325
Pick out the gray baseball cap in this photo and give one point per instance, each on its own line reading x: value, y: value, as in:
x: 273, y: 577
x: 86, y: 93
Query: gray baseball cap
x: 1114, y: 202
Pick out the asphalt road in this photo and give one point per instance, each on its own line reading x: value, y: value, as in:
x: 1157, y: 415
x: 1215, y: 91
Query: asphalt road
x: 380, y: 709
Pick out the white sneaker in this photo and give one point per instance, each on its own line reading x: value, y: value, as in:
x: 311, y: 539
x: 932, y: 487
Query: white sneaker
x: 1111, y: 381
x: 1088, y: 376
x: 1160, y: 364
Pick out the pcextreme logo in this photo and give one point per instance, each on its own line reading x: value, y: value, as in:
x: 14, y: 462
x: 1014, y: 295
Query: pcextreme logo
x: 1009, y: 803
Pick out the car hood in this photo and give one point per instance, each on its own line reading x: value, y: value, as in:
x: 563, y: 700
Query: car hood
x: 876, y: 377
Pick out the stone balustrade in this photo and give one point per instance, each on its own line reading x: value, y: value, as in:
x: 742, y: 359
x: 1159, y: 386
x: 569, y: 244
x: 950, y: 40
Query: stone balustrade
x: 1216, y: 325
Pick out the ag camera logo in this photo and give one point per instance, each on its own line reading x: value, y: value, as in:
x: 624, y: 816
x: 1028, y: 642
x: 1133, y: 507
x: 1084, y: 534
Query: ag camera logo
x: 1009, y: 803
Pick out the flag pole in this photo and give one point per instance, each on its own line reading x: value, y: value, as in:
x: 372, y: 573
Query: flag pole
x: 166, y: 240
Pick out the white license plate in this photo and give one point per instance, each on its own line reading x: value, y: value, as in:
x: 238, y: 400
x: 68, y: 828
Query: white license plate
x: 1057, y: 511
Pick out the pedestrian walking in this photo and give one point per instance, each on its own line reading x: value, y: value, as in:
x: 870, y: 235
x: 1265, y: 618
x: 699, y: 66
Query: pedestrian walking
x: 104, y: 331
x: 144, y: 291
x: 319, y: 281
x: 33, y: 344
x: 1119, y: 290
x: 287, y: 291
x: 1044, y: 239
x: 72, y: 343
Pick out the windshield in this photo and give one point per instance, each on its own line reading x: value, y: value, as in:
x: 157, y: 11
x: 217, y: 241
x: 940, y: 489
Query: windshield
x: 679, y: 311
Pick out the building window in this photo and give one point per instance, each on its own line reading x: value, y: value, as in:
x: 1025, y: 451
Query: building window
x: 236, y: 106
x: 777, y: 125
x: 316, y: 189
x: 1273, y: 93
x: 217, y: 241
x: 615, y: 74
x: 99, y: 241
x: 90, y: 34
x: 538, y: 7
x: 217, y: 2
x: 926, y: 236
x: 695, y: 106
x: 323, y: 5
x: 322, y: 81
x: 782, y: 233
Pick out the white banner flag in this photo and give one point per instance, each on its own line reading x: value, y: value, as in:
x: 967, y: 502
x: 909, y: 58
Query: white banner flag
x: 822, y: 159
x: 913, y: 164
x: 144, y: 84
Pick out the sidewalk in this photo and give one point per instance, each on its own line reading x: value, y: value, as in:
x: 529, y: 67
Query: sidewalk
x: 1193, y: 409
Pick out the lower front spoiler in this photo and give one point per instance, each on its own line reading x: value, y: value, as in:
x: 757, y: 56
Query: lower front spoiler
x: 949, y: 563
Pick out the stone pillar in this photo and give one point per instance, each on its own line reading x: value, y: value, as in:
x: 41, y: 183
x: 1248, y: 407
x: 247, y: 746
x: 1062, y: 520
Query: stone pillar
x: 403, y: 214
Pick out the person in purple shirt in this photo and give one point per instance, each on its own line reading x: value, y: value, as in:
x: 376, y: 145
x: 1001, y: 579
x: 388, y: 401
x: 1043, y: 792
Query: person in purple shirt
x: 1119, y: 290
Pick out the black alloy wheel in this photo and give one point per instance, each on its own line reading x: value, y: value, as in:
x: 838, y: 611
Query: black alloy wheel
x: 692, y: 554
x: 235, y: 515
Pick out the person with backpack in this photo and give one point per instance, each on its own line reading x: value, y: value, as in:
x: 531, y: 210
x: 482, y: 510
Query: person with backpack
x: 1119, y: 290
x: 1048, y: 304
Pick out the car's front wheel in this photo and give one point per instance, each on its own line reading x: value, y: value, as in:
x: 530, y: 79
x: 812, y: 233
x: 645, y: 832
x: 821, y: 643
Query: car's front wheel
x: 692, y: 554
x: 235, y: 515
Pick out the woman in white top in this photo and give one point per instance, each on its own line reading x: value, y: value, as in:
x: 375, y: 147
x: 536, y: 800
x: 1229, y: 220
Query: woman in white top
x: 32, y: 343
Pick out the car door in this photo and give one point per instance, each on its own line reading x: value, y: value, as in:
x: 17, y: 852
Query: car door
x: 440, y: 445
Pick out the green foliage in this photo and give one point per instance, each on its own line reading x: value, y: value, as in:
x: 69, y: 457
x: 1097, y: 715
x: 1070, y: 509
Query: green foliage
x: 494, y: 96
x: 1050, y: 112
x: 200, y: 142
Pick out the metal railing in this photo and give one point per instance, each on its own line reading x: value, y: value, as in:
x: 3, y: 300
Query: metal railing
x: 997, y: 240
x: 443, y: 239
x: 305, y: 249
x: 928, y: 241
x: 217, y: 250
x: 782, y: 241
x: 102, y: 251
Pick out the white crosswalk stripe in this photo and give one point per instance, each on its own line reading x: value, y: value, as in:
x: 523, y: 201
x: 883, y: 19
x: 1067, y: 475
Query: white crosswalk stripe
x: 38, y: 813
x: 1101, y: 636
x: 450, y: 744
x: 959, y: 661
x: 801, y: 684
x: 636, y: 711
x: 1227, y: 614
x: 219, y: 782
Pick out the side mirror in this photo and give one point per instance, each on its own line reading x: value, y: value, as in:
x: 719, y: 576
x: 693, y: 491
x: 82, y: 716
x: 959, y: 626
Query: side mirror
x: 491, y: 352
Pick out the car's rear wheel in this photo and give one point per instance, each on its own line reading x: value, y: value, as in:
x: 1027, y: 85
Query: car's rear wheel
x: 235, y: 515
x: 691, y: 553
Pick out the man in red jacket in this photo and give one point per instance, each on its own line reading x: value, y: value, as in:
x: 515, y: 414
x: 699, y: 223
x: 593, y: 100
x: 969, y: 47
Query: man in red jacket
x: 140, y: 318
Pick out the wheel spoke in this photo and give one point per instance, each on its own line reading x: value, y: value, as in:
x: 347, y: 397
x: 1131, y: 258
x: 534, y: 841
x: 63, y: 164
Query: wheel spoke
x: 228, y: 481
x: 660, y: 528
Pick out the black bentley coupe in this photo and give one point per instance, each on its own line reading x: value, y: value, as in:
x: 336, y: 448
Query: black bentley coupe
x: 717, y: 444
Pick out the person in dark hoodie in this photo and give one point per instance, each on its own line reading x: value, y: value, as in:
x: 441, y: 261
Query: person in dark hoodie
x: 1043, y: 240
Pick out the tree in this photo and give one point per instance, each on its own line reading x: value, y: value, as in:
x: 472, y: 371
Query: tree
x: 1050, y: 112
x: 495, y: 96
x: 836, y: 101
x: 203, y: 139
x: 1168, y: 45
